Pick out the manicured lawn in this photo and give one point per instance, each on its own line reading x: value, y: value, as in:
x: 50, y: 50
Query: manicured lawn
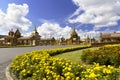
x: 16, y: 46
x: 74, y: 56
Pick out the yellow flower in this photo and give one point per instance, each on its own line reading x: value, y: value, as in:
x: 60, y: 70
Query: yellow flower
x: 66, y: 64
x: 62, y: 78
x: 111, y: 67
x: 53, y: 67
x: 83, y: 79
x: 23, y: 71
x: 108, y: 71
x: 67, y: 74
x: 44, y: 79
x: 28, y: 71
x: 77, y: 78
x: 34, y: 74
x: 68, y: 77
x: 92, y: 75
x: 97, y: 68
x: 69, y: 69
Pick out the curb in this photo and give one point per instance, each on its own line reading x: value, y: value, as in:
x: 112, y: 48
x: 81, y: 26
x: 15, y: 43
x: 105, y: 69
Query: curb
x: 8, y: 74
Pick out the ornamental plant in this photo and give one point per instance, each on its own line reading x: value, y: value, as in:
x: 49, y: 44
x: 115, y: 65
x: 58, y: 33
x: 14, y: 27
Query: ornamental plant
x: 97, y: 72
x: 106, y: 55
x: 39, y: 65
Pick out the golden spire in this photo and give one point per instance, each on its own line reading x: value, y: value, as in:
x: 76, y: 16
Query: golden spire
x: 35, y: 30
x: 35, y: 33
x: 73, y: 32
x: 74, y: 29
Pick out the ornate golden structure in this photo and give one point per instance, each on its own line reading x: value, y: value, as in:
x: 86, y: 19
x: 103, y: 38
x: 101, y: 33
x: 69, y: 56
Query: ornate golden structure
x: 15, y: 38
x: 74, y: 38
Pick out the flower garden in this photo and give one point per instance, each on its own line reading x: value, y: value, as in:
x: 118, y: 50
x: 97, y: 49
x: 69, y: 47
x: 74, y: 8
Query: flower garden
x: 40, y: 65
x: 107, y: 55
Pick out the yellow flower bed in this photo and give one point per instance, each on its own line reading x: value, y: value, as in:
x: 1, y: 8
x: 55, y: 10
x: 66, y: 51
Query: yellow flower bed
x: 109, y: 45
x: 97, y: 72
x: 39, y: 65
x: 106, y: 55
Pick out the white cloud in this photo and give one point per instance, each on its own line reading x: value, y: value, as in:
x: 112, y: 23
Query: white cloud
x: 101, y: 13
x: 47, y: 30
x: 15, y: 17
x: 85, y: 34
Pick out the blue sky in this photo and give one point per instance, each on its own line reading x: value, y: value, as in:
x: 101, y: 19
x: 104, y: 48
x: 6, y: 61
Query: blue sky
x: 57, y: 17
x: 53, y: 10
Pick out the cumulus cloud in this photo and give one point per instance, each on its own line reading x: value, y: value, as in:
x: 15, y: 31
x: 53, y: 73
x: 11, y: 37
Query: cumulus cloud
x: 101, y: 13
x: 48, y: 30
x: 15, y: 17
x: 90, y: 34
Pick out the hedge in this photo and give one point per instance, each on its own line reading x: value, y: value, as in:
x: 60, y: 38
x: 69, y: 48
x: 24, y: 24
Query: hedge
x: 39, y: 65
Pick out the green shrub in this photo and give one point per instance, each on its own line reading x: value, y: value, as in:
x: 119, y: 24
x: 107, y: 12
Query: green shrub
x: 39, y: 65
x: 107, y: 55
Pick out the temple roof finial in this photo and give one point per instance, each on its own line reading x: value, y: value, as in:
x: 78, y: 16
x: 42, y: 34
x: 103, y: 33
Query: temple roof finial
x: 73, y: 31
x: 35, y: 28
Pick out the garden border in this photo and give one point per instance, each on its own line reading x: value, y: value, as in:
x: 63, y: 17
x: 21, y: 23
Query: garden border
x: 8, y: 74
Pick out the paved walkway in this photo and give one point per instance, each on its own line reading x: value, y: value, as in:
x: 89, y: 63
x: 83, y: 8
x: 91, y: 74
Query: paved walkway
x: 7, y: 54
x: 2, y: 70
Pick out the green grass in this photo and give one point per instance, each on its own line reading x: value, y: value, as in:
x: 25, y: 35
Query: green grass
x: 16, y: 46
x: 74, y: 56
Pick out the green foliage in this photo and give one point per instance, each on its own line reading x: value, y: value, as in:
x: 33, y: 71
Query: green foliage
x: 97, y: 72
x: 39, y: 65
x: 107, y: 55
x: 57, y: 51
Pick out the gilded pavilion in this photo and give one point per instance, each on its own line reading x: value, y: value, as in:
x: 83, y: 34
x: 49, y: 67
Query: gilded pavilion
x: 15, y: 38
x: 74, y: 38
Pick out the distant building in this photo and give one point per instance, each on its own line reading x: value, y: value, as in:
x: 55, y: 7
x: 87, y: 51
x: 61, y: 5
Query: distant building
x: 1, y: 36
x: 48, y: 41
x: 89, y: 40
x: 74, y: 38
x: 109, y: 37
x: 15, y: 38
